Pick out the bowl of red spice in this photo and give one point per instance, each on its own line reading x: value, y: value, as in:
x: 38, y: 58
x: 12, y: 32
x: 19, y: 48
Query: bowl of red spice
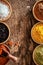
x: 38, y: 10
x: 4, y: 32
x: 5, y: 10
x: 3, y: 56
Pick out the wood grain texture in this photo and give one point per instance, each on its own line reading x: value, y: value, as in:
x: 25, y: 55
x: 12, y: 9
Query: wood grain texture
x: 20, y: 24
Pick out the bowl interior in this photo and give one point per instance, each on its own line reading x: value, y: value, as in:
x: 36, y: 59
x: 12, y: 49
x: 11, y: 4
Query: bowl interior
x: 5, y: 10
x: 4, y: 32
x: 37, y: 12
x: 38, y: 55
x: 4, y: 59
x: 37, y: 33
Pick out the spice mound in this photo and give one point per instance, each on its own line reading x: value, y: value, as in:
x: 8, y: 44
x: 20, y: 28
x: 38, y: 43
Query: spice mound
x: 3, y: 55
x: 37, y: 33
x: 38, y: 55
x: 38, y: 11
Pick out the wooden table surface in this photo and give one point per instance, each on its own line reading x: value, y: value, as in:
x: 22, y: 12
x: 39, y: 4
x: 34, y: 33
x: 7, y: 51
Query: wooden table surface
x: 20, y: 23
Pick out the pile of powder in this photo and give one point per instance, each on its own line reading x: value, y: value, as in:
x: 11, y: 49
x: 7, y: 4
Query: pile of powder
x: 4, y: 10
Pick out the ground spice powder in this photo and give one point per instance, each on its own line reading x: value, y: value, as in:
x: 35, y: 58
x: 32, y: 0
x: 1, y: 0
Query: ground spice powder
x: 3, y: 60
x: 37, y: 13
x: 37, y: 33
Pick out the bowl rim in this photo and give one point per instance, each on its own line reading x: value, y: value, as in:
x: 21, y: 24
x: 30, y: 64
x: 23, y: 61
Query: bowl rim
x: 32, y: 32
x: 9, y: 32
x: 6, y: 18
x: 33, y: 54
x: 34, y: 13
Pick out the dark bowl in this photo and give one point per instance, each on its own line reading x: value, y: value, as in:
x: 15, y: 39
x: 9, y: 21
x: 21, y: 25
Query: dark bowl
x: 4, y: 32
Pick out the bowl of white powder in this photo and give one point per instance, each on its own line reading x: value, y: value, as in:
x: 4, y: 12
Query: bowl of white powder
x: 5, y: 10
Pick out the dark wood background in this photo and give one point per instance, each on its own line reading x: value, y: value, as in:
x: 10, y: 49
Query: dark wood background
x: 20, y: 23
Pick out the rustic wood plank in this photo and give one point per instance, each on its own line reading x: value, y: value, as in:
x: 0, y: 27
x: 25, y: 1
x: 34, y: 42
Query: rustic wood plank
x: 20, y: 24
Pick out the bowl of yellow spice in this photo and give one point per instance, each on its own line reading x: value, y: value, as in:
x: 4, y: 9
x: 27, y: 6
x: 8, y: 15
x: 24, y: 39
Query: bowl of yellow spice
x: 38, y: 55
x: 37, y: 33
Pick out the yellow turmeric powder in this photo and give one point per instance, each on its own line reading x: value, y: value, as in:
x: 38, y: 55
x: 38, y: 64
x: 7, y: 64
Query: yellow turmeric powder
x: 37, y: 33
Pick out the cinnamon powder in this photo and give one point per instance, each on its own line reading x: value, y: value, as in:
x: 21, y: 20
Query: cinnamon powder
x: 37, y: 13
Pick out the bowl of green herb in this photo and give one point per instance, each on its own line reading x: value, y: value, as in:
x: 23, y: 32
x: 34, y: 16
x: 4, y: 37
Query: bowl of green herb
x: 38, y: 55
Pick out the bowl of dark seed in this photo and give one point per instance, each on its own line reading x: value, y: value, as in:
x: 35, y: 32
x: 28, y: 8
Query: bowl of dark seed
x: 5, y: 10
x: 4, y: 32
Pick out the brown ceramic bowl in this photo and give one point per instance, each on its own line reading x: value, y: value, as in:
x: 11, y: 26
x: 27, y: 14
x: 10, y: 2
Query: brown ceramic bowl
x: 38, y: 55
x: 38, y: 10
x: 4, y: 32
x: 5, y: 10
x: 4, y: 59
x: 37, y: 33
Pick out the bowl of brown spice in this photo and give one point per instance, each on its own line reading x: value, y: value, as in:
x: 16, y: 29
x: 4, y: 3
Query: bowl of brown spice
x: 5, y: 10
x: 38, y: 10
x: 37, y: 33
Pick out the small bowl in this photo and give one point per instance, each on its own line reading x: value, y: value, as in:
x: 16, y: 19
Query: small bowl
x: 37, y: 33
x: 36, y: 13
x: 38, y: 55
x: 4, y: 32
x: 5, y: 10
x: 4, y: 59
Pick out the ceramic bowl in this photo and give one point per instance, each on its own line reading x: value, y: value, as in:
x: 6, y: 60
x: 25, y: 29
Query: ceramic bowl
x: 38, y: 55
x: 37, y: 15
x: 37, y: 33
x: 4, y: 32
x: 4, y: 59
x: 5, y: 10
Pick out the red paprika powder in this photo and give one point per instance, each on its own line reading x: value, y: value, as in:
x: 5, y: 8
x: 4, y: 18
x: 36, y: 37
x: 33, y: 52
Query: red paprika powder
x: 3, y: 59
